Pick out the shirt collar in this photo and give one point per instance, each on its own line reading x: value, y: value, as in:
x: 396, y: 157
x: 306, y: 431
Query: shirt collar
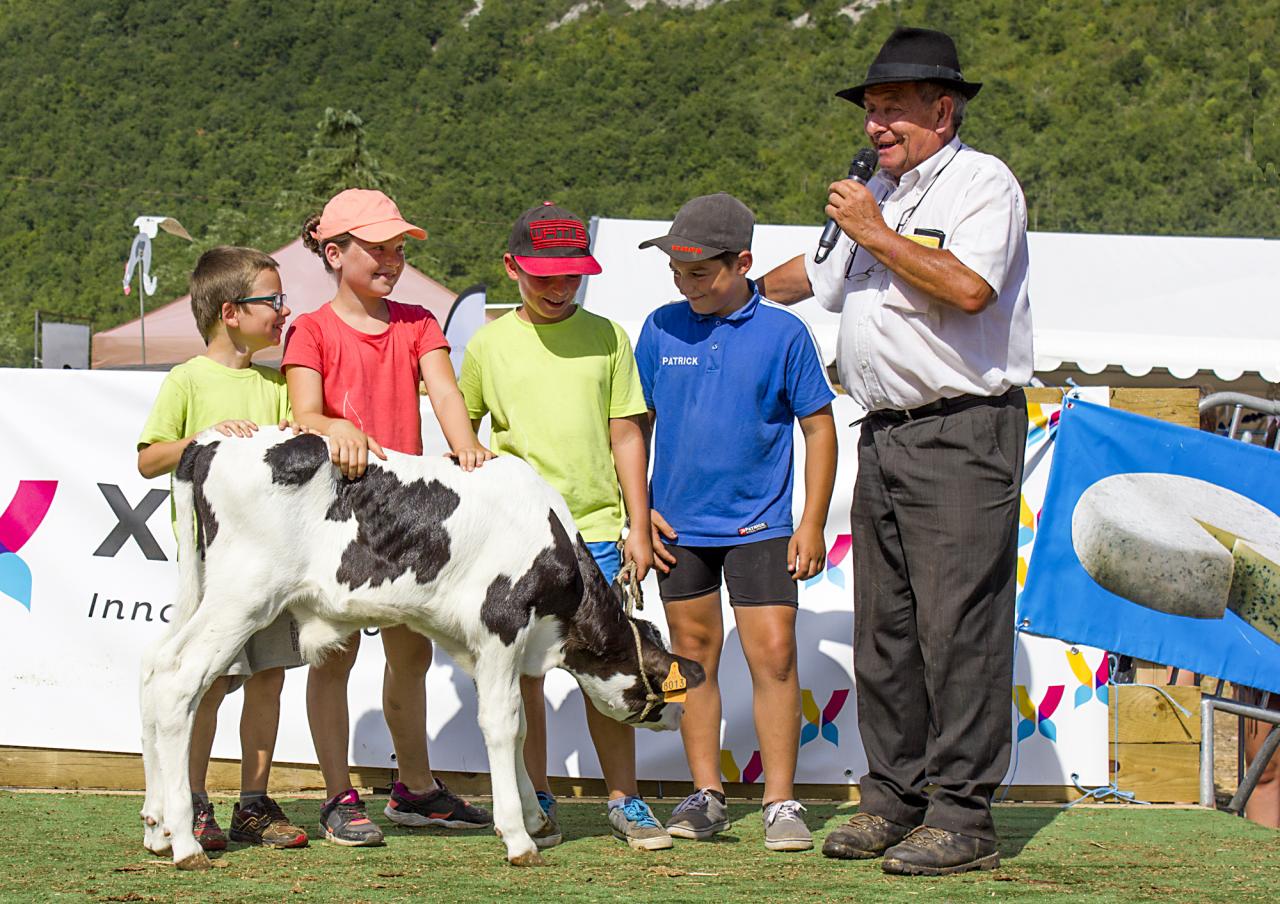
x: 929, y: 168
x: 743, y: 313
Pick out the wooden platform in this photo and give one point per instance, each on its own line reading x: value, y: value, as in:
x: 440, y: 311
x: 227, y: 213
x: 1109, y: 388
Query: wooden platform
x: 1177, y: 406
x: 86, y: 770
x: 1157, y: 752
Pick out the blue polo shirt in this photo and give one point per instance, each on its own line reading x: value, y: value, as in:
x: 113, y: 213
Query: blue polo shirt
x: 727, y: 391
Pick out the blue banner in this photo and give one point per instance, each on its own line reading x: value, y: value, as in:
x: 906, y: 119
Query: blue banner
x: 1160, y: 542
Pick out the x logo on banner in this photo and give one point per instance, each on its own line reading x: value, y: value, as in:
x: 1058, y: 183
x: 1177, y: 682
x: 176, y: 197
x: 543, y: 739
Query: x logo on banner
x: 133, y: 522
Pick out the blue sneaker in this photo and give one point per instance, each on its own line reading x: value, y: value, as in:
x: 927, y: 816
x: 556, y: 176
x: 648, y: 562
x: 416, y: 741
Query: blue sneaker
x: 633, y: 822
x: 549, y: 835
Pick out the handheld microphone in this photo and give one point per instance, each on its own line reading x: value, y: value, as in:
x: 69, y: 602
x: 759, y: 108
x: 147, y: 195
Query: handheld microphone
x: 860, y: 171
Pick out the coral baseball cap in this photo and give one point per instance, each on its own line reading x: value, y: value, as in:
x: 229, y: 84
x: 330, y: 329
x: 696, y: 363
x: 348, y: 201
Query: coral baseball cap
x: 365, y: 213
x: 550, y: 241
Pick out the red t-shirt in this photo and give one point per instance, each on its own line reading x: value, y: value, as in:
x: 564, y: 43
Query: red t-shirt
x: 370, y: 380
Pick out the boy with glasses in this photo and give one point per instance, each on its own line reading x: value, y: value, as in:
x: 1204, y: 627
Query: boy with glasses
x: 240, y: 309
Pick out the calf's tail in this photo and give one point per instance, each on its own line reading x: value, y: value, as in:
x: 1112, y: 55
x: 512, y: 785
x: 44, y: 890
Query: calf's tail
x: 190, y: 561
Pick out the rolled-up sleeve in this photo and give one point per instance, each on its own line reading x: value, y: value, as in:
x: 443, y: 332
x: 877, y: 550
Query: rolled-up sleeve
x: 827, y: 278
x: 989, y: 226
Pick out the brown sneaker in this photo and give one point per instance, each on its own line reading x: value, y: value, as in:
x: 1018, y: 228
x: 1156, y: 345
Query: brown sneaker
x: 206, y: 829
x: 936, y: 852
x: 864, y: 837
x: 263, y: 822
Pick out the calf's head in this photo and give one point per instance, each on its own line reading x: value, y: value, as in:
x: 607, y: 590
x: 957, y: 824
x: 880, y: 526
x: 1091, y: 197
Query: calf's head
x: 635, y: 679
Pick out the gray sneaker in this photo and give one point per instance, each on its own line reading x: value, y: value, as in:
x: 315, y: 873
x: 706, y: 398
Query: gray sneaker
x: 634, y: 823
x: 784, y: 828
x: 699, y: 816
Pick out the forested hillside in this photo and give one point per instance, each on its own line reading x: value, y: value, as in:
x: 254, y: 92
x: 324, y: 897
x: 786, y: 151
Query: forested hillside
x: 1117, y: 115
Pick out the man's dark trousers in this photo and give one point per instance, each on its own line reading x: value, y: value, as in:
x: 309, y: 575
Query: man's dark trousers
x: 935, y: 518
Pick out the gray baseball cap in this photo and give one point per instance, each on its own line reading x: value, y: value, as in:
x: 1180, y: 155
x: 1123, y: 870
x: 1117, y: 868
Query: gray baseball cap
x: 707, y: 226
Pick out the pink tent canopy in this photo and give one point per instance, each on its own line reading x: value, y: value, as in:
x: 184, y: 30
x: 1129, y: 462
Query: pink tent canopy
x: 172, y: 336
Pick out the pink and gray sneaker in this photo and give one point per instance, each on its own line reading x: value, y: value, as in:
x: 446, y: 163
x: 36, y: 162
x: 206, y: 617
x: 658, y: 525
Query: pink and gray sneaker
x: 439, y: 807
x: 344, y: 821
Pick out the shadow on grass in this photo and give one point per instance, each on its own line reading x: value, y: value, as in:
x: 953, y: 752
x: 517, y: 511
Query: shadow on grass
x: 580, y: 820
x: 1018, y: 825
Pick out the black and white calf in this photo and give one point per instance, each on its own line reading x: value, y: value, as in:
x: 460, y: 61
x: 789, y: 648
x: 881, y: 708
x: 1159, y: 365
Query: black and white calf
x: 485, y: 563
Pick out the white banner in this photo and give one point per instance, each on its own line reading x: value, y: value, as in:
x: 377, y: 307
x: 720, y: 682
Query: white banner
x: 87, y: 573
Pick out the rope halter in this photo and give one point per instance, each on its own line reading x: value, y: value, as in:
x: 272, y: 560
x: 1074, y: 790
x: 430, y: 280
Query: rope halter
x: 673, y: 688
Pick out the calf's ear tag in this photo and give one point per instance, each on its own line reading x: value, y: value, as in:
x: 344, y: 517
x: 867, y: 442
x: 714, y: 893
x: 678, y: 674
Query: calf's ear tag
x: 674, y: 688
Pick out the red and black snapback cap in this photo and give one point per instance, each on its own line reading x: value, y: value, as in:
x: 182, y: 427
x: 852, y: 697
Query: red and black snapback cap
x: 706, y: 227
x: 550, y: 241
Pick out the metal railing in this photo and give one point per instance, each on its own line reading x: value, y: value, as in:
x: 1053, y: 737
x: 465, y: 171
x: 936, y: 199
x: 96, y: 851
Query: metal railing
x: 1213, y: 702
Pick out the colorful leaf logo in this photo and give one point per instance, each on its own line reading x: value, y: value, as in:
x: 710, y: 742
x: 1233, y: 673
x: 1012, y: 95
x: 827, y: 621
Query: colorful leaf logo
x: 821, y: 722
x: 23, y: 515
x: 1093, y: 682
x: 1041, y: 426
x: 839, y: 550
x: 1037, y: 717
x: 729, y: 767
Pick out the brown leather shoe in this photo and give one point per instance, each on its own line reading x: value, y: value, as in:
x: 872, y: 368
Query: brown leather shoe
x: 864, y: 837
x: 928, y: 851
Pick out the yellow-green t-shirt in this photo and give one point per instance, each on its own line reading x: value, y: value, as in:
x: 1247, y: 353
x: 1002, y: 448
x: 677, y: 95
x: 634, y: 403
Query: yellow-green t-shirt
x: 201, y: 392
x: 550, y: 390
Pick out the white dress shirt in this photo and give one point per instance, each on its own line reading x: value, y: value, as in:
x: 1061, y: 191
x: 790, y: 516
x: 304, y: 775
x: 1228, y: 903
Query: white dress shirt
x: 901, y: 348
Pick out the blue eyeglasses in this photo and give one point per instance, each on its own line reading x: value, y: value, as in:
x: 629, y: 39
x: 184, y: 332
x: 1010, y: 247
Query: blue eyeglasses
x: 276, y: 301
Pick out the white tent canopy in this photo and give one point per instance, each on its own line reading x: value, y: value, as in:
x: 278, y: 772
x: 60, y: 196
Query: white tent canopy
x: 1097, y: 301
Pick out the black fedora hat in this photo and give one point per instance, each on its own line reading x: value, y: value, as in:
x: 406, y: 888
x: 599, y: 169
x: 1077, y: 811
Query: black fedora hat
x: 914, y: 55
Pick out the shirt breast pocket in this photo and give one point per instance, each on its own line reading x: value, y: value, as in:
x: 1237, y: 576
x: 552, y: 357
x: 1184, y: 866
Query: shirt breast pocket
x: 906, y: 300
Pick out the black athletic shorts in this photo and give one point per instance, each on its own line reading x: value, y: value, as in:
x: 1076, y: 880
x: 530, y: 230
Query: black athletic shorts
x: 756, y: 573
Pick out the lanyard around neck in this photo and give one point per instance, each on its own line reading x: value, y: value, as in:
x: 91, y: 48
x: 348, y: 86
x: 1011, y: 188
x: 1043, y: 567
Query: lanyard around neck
x: 906, y: 215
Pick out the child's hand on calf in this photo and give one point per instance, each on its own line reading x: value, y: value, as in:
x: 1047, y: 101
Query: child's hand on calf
x: 236, y: 428
x: 349, y: 449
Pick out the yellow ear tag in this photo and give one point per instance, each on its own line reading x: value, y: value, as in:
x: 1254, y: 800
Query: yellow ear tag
x: 674, y: 688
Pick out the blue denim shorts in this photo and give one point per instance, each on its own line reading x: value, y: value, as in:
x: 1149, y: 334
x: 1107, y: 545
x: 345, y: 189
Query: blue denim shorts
x: 607, y: 557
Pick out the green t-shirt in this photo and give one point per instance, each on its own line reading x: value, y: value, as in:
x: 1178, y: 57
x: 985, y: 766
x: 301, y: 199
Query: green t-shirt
x: 551, y: 390
x: 201, y: 392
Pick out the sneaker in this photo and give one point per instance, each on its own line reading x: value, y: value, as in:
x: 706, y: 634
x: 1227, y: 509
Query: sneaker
x: 263, y: 822
x: 634, y: 823
x: 784, y: 828
x: 863, y: 837
x: 440, y: 807
x: 206, y: 828
x: 549, y: 835
x: 929, y: 851
x: 344, y: 821
x: 699, y: 816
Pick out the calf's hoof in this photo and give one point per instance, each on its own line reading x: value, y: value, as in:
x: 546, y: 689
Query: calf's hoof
x: 195, y: 862
x: 529, y: 858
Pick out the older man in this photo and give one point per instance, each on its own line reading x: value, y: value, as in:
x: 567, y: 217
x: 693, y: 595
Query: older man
x: 935, y: 338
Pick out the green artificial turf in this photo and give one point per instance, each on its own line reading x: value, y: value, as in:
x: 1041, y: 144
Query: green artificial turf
x: 86, y: 847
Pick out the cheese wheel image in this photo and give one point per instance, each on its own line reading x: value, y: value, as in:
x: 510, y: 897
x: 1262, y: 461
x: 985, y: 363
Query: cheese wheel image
x: 1182, y: 546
